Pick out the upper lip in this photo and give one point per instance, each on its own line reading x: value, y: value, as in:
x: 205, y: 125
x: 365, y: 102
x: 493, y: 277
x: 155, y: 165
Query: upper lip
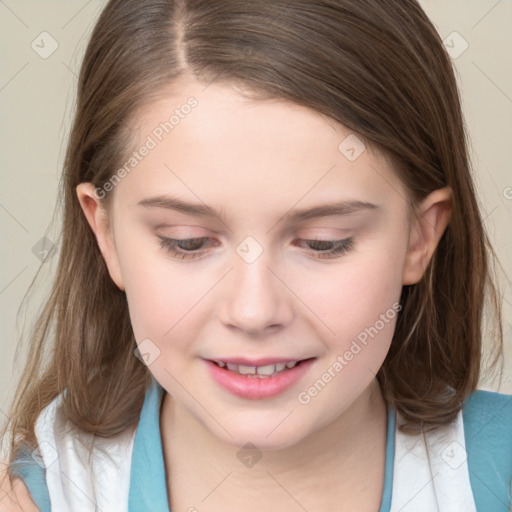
x: 262, y: 361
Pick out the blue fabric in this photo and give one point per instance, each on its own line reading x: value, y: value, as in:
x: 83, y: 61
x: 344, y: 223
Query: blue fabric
x: 385, y: 505
x: 487, y: 420
x: 148, y: 487
x: 34, y: 477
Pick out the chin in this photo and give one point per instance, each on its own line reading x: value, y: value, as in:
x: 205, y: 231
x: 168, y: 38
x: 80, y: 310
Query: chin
x: 260, y: 435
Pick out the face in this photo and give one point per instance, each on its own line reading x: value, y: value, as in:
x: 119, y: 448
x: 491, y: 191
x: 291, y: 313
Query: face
x: 259, y: 269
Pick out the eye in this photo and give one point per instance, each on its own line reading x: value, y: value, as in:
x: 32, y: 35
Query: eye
x: 191, y: 248
x: 182, y: 249
x: 329, y: 248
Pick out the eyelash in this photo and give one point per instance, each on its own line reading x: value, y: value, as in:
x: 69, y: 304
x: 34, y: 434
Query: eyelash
x: 341, y: 247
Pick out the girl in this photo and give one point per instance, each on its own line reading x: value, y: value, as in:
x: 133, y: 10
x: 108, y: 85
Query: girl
x: 271, y: 285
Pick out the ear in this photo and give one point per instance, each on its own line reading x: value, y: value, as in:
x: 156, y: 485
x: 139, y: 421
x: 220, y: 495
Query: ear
x: 435, y: 214
x: 98, y: 220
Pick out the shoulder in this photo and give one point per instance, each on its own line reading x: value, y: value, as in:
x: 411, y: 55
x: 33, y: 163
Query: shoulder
x: 28, y: 488
x: 489, y: 411
x: 488, y: 399
x: 14, y: 496
x: 487, y: 419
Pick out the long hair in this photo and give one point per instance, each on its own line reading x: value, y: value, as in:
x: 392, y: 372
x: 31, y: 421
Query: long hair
x: 379, y: 68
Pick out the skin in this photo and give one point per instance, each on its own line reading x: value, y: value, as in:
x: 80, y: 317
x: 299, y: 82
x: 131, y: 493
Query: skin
x: 14, y: 496
x: 259, y: 161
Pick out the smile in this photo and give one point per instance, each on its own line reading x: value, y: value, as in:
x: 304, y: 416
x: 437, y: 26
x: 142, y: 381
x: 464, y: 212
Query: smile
x: 258, y: 382
x: 257, y: 371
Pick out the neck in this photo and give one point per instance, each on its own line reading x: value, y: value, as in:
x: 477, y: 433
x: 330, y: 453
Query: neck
x: 344, y: 459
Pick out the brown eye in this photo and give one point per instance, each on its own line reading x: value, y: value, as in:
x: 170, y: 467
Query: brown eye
x: 329, y: 248
x: 186, y: 248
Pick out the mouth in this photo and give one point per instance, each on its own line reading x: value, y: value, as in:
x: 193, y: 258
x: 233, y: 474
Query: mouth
x: 258, y: 379
x: 262, y: 371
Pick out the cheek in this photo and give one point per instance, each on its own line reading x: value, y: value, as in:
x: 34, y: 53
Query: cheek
x: 346, y: 297
x: 158, y: 293
x: 358, y: 299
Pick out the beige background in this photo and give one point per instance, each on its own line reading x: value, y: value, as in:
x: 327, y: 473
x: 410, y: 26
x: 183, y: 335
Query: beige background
x: 36, y: 102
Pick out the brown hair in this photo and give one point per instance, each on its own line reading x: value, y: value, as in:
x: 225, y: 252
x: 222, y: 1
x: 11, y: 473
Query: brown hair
x: 376, y: 66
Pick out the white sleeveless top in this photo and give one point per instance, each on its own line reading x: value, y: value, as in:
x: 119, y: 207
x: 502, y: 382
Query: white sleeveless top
x: 430, y: 471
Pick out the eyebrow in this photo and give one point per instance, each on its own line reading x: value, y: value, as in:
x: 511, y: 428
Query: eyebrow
x: 203, y: 210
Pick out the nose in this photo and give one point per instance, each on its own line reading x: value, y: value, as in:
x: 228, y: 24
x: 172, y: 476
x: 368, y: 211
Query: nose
x: 256, y: 299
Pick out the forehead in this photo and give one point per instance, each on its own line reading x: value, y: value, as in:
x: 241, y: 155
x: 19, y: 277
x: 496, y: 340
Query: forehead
x: 227, y: 149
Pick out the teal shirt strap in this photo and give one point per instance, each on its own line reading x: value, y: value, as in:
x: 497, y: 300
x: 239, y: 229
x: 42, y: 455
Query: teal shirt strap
x: 487, y: 420
x: 34, y: 478
x: 385, y: 505
x: 148, y: 487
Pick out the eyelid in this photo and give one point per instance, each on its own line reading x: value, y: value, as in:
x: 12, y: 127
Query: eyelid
x: 340, y: 248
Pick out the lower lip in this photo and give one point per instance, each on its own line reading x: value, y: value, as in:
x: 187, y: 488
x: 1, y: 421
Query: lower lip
x: 256, y: 388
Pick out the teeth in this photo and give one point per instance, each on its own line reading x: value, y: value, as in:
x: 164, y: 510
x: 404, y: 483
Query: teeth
x: 246, y: 370
x: 232, y: 367
x: 257, y: 371
x: 266, y: 370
